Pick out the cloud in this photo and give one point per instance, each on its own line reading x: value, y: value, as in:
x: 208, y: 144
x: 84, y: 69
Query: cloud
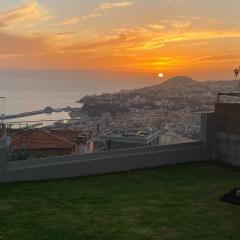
x: 217, y: 58
x: 155, y: 36
x: 157, y: 27
x: 163, y: 43
x: 69, y: 21
x: 108, y: 5
x: 9, y: 56
x: 91, y: 15
x: 30, y: 11
x: 76, y: 20
x: 174, y: 1
x: 97, y: 12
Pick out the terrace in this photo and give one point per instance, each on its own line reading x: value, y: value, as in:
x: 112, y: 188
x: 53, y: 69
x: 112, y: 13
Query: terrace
x: 158, y: 192
x: 171, y: 202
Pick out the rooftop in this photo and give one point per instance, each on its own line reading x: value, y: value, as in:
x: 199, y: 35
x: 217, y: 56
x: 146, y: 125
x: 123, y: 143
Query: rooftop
x: 40, y: 139
x: 172, y: 202
x: 134, y: 135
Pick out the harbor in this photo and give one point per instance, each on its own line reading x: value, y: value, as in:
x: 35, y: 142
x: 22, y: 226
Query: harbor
x: 47, y: 110
x: 37, y: 119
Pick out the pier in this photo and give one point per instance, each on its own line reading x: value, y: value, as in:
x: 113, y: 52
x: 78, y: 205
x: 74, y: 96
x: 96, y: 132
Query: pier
x: 47, y: 110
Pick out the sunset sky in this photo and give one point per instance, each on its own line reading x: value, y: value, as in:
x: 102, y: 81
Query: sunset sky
x: 174, y: 37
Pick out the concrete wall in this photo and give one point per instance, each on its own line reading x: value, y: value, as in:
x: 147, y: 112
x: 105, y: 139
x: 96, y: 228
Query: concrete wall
x: 3, y: 157
x: 227, y: 144
x: 112, y: 161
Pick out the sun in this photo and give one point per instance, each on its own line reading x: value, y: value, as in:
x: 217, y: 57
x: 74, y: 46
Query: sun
x: 161, y: 75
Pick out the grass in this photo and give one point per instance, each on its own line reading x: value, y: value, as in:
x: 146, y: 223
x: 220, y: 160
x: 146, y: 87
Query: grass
x: 173, y: 202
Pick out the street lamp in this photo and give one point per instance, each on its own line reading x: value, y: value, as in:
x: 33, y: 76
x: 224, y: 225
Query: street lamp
x: 237, y: 74
x: 2, y: 116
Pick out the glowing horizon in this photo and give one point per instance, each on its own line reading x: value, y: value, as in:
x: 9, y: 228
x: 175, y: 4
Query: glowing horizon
x: 174, y: 37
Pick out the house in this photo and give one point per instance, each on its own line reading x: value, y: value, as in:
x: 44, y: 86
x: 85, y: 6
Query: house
x: 41, y: 140
x: 82, y: 141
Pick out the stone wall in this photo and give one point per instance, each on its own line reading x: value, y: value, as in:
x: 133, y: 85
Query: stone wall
x: 227, y: 141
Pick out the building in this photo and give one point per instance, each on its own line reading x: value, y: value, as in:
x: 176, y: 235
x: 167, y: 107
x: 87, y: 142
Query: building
x: 82, y: 140
x: 169, y: 138
x: 131, y: 139
x: 57, y: 142
x: 40, y: 140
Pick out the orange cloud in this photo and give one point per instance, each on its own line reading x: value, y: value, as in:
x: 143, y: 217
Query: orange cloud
x: 76, y: 20
x: 30, y: 11
x: 108, y: 5
x: 167, y: 44
x: 97, y: 12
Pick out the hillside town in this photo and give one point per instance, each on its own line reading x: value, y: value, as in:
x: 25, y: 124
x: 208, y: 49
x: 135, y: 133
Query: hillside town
x: 179, y: 94
x: 158, y: 115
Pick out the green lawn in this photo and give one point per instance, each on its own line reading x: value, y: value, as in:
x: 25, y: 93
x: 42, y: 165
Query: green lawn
x: 173, y: 202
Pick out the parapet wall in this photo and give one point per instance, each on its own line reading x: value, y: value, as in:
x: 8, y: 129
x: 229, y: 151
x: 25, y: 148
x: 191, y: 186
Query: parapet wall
x: 112, y: 161
x: 227, y: 141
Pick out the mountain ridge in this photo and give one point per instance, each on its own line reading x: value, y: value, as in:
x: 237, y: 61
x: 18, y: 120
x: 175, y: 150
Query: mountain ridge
x: 180, y: 79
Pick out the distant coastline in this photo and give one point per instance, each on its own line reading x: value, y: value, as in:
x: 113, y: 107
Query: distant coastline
x: 30, y: 94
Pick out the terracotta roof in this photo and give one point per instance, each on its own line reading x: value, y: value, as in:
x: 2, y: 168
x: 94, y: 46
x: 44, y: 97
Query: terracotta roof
x: 40, y: 139
x: 70, y: 135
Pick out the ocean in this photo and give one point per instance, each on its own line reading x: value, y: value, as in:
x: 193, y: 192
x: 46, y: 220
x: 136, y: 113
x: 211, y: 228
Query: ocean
x: 31, y: 93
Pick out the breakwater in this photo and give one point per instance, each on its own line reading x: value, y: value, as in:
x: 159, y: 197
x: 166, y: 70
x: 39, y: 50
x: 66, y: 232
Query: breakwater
x: 47, y: 110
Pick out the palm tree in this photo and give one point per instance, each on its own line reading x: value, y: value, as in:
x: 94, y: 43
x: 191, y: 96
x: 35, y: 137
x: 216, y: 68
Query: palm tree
x: 236, y: 71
